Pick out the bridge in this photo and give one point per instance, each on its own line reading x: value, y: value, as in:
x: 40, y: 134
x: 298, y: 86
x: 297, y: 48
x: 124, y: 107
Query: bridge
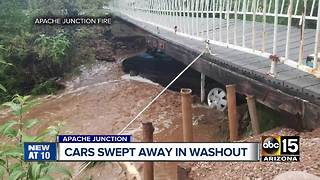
x: 268, y: 48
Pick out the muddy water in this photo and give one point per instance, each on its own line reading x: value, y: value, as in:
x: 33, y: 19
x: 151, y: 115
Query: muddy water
x: 101, y: 100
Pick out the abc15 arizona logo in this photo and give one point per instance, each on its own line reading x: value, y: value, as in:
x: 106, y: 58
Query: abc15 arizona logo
x: 280, y: 148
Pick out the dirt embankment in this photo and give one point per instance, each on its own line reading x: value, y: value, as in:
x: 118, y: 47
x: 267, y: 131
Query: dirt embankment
x: 117, y: 40
x: 309, y: 161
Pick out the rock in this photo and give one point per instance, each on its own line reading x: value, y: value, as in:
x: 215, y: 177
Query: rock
x: 315, y: 140
x: 296, y: 175
x: 104, y: 56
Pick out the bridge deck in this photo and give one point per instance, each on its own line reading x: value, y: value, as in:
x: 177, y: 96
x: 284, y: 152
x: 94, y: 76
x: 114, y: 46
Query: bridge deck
x: 288, y: 79
x: 295, y: 35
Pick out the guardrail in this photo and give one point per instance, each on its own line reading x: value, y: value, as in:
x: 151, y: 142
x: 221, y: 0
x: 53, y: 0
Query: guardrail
x: 195, y: 20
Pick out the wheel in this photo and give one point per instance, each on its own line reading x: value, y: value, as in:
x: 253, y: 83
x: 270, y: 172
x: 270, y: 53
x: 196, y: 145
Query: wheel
x: 217, y: 99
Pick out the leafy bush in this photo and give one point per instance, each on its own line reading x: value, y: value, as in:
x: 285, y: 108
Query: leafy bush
x: 35, y: 59
x: 12, y: 165
x: 13, y: 19
x: 5, y: 63
x: 41, y: 53
x: 53, y: 47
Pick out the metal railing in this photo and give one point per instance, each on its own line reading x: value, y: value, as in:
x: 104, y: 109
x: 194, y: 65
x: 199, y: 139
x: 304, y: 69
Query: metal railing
x: 235, y: 20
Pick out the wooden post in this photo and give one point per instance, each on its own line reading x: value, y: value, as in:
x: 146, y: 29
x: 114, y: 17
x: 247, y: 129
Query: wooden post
x: 232, y: 112
x: 253, y: 114
x: 203, y: 83
x: 183, y: 172
x: 186, y: 102
x: 148, y: 137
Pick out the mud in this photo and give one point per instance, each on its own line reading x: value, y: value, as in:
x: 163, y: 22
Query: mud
x: 102, y: 100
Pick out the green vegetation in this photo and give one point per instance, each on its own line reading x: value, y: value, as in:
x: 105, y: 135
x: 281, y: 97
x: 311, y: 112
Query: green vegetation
x: 284, y: 21
x: 2, y: 88
x: 281, y: 20
x: 268, y: 119
x: 47, y: 87
x: 12, y: 165
x: 32, y: 57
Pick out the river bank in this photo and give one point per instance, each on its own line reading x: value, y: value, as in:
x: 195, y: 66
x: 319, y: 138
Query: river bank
x: 102, y: 100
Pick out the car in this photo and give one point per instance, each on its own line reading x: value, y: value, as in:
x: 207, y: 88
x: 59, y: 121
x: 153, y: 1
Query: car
x: 162, y: 69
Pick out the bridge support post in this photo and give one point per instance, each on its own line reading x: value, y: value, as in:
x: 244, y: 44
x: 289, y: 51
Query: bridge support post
x: 203, y: 84
x: 232, y: 112
x: 253, y: 115
x: 148, y: 171
x: 186, y: 102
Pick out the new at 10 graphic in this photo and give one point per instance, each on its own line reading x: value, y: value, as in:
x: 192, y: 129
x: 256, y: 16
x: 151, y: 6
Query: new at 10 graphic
x: 280, y: 148
x: 40, y: 151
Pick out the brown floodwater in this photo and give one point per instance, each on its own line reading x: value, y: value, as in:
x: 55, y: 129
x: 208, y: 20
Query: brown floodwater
x: 101, y: 100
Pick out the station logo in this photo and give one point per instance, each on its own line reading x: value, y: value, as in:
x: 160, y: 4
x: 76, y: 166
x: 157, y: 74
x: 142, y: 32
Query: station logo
x: 280, y: 148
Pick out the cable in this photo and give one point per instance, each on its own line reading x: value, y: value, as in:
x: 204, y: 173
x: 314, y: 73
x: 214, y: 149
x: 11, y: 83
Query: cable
x: 207, y: 49
x: 154, y: 99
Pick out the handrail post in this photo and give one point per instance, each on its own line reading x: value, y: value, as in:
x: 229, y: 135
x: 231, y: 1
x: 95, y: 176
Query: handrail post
x: 303, y: 19
x: 188, y: 17
x: 220, y: 20
x: 192, y: 18
x: 264, y: 26
x: 316, y: 50
x: 273, y: 57
x: 235, y: 22
x: 213, y: 19
x: 197, y: 18
x: 207, y: 9
x: 244, y: 17
x: 254, y: 9
x: 275, y: 32
x: 288, y: 30
x: 228, y: 19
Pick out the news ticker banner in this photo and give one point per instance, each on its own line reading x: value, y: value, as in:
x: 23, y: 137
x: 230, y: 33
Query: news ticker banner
x: 94, y: 138
x: 121, y: 148
x: 47, y: 151
x: 158, y: 152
